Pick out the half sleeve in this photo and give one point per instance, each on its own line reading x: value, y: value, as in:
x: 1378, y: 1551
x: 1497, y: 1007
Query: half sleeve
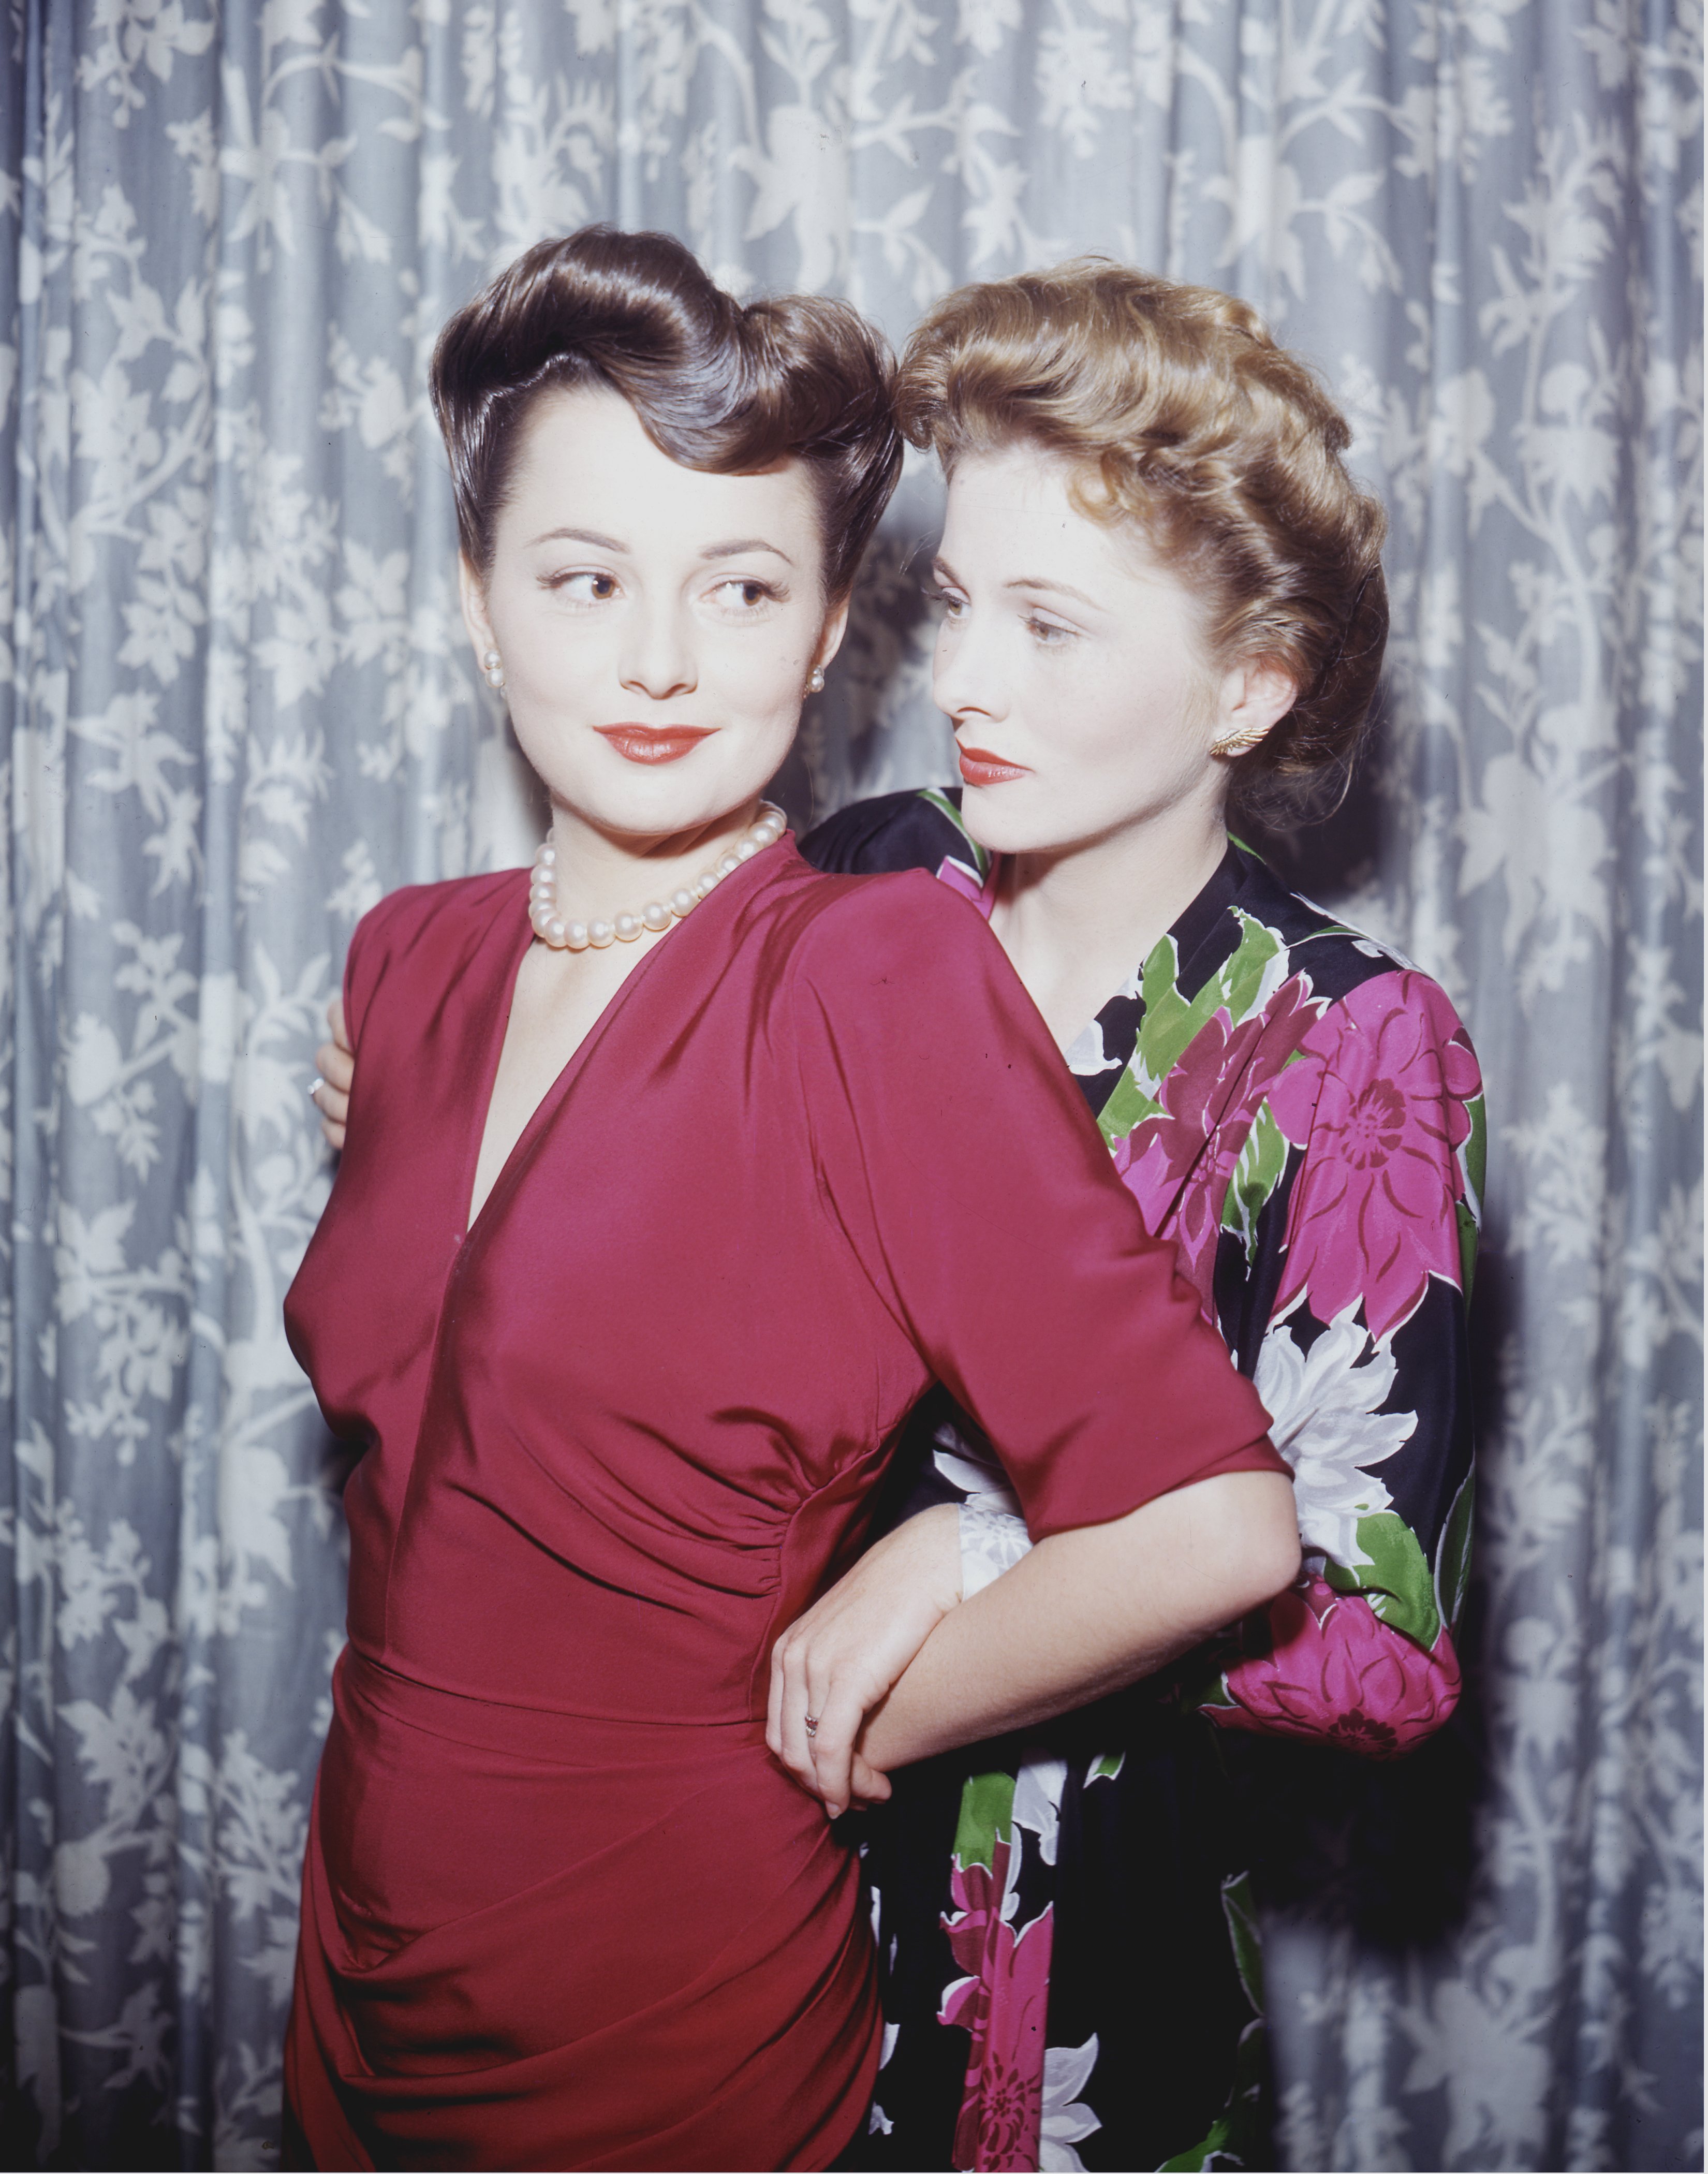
x: 958, y: 1157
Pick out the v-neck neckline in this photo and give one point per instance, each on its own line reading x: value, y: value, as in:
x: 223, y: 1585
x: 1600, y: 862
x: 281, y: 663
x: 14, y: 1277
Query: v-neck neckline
x: 1120, y: 1017
x: 521, y: 1147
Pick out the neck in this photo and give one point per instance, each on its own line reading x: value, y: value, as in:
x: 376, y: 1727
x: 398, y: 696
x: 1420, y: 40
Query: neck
x: 599, y: 873
x: 1078, y: 921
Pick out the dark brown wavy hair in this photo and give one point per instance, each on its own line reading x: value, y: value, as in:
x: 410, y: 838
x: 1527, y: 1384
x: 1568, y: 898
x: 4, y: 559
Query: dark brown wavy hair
x: 717, y: 386
x: 1183, y: 416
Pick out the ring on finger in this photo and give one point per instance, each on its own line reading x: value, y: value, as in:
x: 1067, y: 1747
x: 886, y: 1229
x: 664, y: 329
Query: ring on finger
x: 812, y: 1724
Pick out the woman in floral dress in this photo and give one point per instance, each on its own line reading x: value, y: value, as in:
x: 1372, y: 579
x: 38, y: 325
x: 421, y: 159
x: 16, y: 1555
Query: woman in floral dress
x: 1163, y: 594
x: 1301, y: 1110
x: 1071, y: 1960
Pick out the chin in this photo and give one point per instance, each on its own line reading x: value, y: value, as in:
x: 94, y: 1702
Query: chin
x: 1006, y: 818
x: 644, y: 802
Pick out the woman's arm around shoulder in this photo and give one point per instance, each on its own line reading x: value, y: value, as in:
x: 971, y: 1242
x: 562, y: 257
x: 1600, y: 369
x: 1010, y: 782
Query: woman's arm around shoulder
x: 403, y: 917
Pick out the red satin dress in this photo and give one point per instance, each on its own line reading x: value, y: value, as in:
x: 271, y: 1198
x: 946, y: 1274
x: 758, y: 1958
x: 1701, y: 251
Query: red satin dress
x: 561, y: 1908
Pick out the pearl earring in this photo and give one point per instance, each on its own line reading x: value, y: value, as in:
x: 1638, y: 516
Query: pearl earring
x: 492, y: 665
x: 815, y: 686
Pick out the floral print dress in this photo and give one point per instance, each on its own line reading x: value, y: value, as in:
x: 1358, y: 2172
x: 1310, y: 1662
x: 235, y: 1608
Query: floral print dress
x: 1071, y: 1968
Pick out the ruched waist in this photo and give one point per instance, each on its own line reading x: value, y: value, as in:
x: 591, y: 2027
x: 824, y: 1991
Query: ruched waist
x: 562, y: 1734
x: 540, y: 1940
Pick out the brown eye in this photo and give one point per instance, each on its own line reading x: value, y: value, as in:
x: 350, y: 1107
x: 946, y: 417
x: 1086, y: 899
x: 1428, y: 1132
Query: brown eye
x: 585, y: 588
x: 736, y: 594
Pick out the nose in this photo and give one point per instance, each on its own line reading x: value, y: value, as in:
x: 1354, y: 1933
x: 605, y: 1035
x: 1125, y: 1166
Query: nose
x: 966, y: 680
x: 658, y: 656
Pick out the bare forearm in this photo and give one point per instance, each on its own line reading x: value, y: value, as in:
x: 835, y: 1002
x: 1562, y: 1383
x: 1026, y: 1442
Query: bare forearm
x: 1088, y: 1612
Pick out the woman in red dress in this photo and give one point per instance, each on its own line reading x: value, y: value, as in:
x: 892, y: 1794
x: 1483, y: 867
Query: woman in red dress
x: 637, y: 1259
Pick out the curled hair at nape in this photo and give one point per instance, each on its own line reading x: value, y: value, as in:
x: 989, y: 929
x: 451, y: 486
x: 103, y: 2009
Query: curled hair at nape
x: 1302, y: 770
x: 1182, y: 415
x: 717, y: 385
x: 1278, y: 803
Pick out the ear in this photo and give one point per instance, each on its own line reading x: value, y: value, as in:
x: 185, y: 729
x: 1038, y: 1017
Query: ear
x: 474, y: 595
x: 1254, y: 698
x: 831, y: 634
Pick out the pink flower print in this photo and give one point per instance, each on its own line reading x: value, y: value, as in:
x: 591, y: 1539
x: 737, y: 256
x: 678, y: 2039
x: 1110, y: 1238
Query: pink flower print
x: 1377, y: 1102
x: 1177, y: 1162
x: 1003, y: 2004
x: 1338, y: 1673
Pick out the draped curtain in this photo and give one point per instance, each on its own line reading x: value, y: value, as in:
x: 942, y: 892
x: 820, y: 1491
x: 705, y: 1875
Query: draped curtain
x: 238, y: 708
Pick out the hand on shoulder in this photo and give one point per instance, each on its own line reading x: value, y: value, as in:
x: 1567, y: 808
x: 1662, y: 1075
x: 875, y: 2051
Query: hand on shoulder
x: 336, y: 1063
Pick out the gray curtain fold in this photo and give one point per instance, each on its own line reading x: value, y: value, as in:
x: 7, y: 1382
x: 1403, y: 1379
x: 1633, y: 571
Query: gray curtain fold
x: 238, y: 709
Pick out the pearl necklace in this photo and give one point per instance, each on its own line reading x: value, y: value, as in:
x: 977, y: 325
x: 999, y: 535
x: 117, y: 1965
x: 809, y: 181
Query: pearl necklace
x: 657, y: 914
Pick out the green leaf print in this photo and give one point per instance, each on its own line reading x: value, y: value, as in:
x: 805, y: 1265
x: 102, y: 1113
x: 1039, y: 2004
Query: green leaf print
x: 1238, y: 2137
x: 1453, y: 1556
x: 1239, y: 1907
x: 1239, y: 986
x: 1472, y: 1152
x: 1467, y: 1244
x: 1212, y: 2152
x: 1396, y: 1580
x: 1262, y: 1164
x: 945, y: 806
x: 1106, y: 1768
x: 986, y: 1818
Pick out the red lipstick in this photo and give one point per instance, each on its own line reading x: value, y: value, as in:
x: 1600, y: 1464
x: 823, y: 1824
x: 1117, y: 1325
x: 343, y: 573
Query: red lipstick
x: 979, y: 766
x: 654, y: 743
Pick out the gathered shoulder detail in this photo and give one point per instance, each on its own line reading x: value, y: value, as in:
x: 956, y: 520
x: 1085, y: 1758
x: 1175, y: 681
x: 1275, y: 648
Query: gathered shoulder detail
x: 453, y: 916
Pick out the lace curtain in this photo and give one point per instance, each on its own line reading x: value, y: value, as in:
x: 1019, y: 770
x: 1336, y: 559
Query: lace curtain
x: 238, y: 709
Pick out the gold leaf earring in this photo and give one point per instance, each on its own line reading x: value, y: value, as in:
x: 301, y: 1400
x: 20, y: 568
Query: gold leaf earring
x: 1236, y: 744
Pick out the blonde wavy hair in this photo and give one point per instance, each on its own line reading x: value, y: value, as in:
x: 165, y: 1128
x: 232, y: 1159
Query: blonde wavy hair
x: 1184, y: 417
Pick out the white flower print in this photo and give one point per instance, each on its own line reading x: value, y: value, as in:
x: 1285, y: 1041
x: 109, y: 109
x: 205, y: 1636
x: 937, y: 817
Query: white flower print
x: 1324, y: 1420
x: 1088, y: 1057
x: 1038, y: 1789
x: 1066, y: 2120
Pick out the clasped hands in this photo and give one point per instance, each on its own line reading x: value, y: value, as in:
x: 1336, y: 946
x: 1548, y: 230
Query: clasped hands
x: 838, y: 1662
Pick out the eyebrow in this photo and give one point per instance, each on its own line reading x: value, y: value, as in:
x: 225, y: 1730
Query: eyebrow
x: 1056, y: 588
x: 581, y: 535
x: 737, y: 544
x: 728, y: 549
x: 941, y: 565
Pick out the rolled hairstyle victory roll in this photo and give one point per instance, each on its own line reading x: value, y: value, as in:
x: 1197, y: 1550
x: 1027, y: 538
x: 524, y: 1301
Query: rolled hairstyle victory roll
x: 1222, y: 447
x: 717, y: 385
